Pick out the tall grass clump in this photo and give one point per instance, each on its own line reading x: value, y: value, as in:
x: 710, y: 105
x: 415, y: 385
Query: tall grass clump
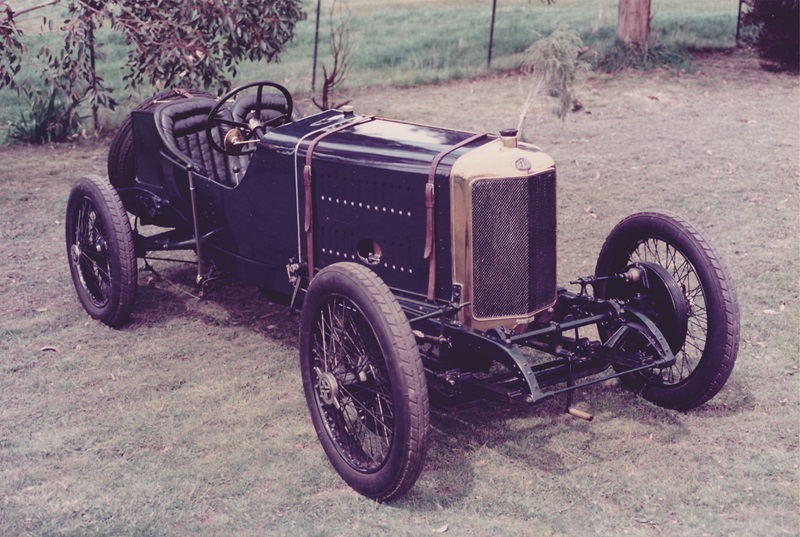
x: 50, y: 118
x: 644, y: 57
x: 35, y: 104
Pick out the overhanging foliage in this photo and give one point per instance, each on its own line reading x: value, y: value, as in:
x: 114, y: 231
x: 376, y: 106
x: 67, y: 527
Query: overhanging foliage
x: 187, y: 43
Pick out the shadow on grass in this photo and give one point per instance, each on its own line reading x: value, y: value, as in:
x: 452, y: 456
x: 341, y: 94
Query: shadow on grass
x: 530, y: 444
x: 542, y: 442
x: 735, y: 398
x: 171, y: 294
x: 467, y: 447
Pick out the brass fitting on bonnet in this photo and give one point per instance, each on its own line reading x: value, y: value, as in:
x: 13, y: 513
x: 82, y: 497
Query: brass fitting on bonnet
x: 509, y: 138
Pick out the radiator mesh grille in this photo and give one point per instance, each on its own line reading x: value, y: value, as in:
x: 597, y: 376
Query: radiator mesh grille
x: 513, y: 245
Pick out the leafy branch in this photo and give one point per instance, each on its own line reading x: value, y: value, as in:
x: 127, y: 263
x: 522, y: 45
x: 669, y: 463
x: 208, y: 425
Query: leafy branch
x: 185, y: 43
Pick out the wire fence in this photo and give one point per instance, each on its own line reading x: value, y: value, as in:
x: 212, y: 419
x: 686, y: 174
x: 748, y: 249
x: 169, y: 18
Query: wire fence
x: 679, y: 15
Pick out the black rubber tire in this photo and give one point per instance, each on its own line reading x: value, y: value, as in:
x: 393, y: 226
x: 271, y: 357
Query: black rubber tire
x: 374, y: 426
x: 100, y: 251
x: 121, y: 158
x: 708, y: 353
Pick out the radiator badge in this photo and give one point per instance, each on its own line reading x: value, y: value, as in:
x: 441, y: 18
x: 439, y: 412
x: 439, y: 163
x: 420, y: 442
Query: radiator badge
x: 523, y: 164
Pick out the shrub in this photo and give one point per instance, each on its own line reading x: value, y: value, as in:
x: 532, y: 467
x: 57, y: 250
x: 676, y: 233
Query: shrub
x: 555, y: 64
x: 774, y: 28
x: 50, y: 119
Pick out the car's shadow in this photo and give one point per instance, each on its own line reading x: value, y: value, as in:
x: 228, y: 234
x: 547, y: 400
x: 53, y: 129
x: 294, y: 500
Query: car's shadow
x: 541, y: 439
x: 170, y: 293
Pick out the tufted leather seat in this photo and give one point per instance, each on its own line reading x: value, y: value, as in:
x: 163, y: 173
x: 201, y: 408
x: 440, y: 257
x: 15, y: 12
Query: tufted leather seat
x: 182, y: 127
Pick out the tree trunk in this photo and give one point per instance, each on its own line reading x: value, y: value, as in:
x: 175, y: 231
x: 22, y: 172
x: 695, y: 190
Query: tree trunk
x: 633, y: 23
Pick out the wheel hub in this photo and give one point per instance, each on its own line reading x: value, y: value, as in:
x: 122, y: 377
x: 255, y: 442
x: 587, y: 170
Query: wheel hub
x: 666, y: 304
x: 328, y: 388
x: 75, y: 253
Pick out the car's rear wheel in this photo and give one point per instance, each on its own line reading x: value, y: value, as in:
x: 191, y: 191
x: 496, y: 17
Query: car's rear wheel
x: 363, y: 381
x: 121, y: 157
x: 706, y: 312
x: 100, y: 250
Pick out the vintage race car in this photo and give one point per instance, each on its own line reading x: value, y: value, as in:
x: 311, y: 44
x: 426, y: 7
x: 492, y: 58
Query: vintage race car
x: 423, y: 258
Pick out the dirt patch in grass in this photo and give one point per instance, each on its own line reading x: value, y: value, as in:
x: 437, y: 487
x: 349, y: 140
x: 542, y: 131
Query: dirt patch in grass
x: 191, y: 420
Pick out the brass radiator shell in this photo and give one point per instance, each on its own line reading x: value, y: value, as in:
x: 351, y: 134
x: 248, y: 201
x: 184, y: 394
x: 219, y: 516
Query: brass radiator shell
x: 503, y: 206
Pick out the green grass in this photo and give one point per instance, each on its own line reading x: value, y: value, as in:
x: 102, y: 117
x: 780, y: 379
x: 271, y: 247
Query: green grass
x: 451, y: 42
x: 414, y: 43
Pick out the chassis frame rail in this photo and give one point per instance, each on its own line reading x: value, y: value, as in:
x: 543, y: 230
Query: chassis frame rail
x: 445, y: 342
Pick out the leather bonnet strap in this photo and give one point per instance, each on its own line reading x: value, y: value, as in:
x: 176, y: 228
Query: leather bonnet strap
x: 309, y: 220
x: 430, y: 203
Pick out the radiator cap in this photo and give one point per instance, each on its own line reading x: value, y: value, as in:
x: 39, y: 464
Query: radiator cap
x: 509, y: 137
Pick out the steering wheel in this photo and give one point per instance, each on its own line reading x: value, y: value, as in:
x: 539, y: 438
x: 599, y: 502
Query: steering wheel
x: 242, y: 133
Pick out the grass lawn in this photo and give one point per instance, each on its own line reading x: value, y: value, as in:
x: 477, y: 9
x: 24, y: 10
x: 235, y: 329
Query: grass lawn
x: 190, y: 420
x: 414, y: 41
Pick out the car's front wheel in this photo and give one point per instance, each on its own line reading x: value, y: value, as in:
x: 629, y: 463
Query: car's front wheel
x: 100, y: 250
x: 699, y: 316
x: 363, y: 381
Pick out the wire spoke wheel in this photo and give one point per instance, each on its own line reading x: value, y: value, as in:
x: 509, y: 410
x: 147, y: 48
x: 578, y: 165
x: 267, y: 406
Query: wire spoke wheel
x: 706, y: 304
x: 687, y: 358
x: 363, y: 381
x: 90, y: 255
x: 353, y: 389
x: 100, y: 251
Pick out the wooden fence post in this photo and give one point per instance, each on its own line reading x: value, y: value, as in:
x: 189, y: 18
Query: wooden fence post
x: 491, y: 35
x: 316, y: 43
